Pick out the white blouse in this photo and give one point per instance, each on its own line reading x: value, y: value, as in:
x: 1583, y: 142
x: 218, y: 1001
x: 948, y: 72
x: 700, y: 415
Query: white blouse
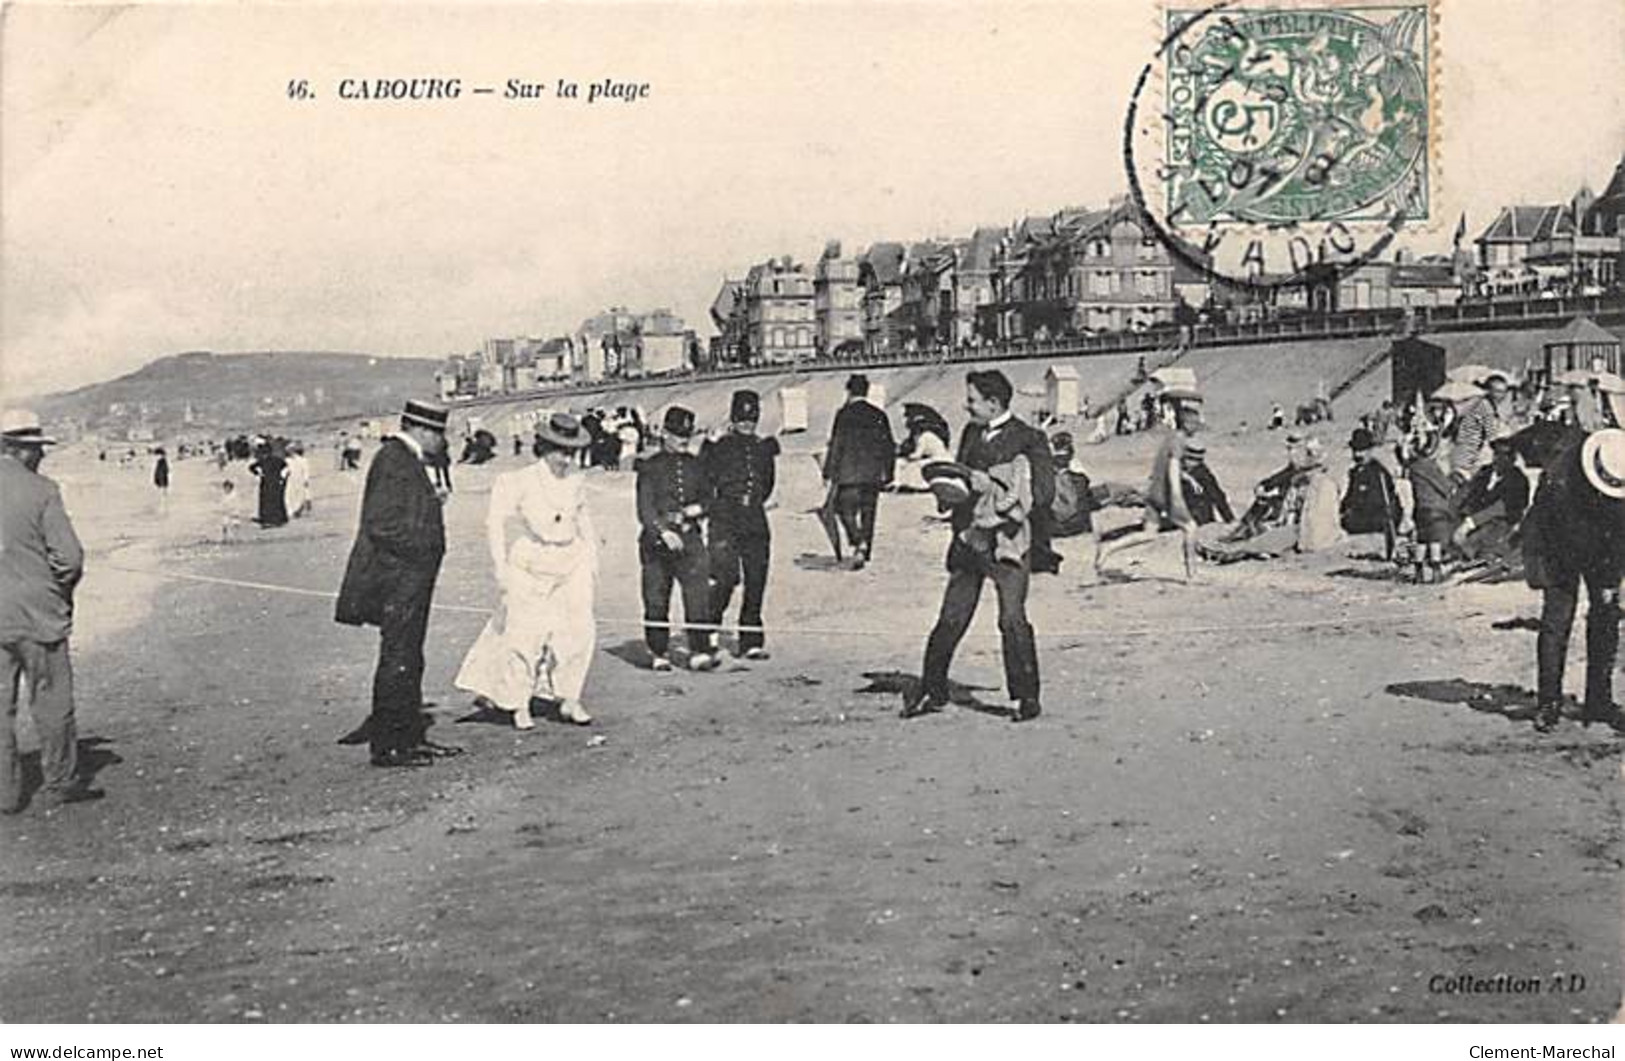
x: 538, y: 524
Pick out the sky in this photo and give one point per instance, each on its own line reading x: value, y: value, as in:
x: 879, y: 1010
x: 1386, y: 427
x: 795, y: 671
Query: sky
x: 159, y: 191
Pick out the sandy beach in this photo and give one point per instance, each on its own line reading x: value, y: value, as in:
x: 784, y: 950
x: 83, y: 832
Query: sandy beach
x: 1286, y: 793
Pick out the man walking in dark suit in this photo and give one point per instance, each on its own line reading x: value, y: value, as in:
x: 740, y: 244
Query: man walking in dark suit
x: 389, y: 582
x: 40, y: 564
x: 672, y: 496
x: 740, y: 469
x: 993, y: 439
x: 861, y: 458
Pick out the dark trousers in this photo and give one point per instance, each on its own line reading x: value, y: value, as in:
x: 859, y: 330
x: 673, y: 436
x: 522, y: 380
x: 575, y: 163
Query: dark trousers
x: 856, y: 505
x: 49, y: 673
x: 397, y: 720
x: 1602, y: 636
x: 959, y: 602
x: 735, y: 556
x: 691, y: 570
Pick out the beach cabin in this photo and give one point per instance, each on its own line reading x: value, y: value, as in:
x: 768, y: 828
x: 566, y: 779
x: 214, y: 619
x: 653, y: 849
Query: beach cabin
x: 1582, y: 344
x: 1061, y: 394
x: 792, y: 409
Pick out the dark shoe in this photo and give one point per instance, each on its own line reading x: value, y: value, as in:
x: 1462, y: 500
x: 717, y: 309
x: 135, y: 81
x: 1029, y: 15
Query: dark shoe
x: 360, y: 735
x: 76, y: 794
x: 403, y: 757
x: 918, y: 702
x: 1026, y: 711
x: 1547, y: 716
x: 1610, y: 716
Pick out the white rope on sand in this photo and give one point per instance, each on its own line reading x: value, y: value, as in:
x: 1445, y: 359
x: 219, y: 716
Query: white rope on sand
x: 1396, y: 617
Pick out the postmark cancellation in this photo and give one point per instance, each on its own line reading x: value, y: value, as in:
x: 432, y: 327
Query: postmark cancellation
x: 1268, y: 140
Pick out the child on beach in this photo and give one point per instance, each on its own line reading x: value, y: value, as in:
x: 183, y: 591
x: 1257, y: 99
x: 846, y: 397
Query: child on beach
x: 1431, y: 488
x: 230, y: 512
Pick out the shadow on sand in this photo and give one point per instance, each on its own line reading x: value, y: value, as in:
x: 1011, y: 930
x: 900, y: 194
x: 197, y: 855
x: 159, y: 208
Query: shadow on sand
x: 903, y: 684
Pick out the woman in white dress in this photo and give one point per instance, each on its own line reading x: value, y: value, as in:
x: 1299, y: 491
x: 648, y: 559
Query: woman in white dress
x: 541, y: 638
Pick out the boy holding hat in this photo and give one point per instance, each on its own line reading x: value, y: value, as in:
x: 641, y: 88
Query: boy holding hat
x: 389, y: 583
x: 740, y: 467
x: 40, y: 564
x: 672, y: 494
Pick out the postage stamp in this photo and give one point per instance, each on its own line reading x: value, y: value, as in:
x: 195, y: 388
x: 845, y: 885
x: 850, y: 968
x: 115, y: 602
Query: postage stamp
x: 1264, y: 142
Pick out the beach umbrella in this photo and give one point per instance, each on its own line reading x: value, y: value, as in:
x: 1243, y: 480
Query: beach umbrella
x: 830, y: 521
x: 1471, y: 373
x: 1456, y: 391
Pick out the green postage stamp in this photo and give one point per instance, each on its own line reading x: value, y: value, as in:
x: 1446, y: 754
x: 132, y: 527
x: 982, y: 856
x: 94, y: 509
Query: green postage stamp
x: 1311, y: 126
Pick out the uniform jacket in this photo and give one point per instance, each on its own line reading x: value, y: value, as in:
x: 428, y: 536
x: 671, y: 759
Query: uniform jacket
x: 40, y: 557
x: 741, y: 471
x: 862, y: 450
x: 401, y: 541
x: 668, y: 483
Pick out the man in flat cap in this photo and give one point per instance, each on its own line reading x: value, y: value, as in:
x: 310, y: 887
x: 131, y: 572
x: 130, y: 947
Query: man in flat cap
x: 672, y: 496
x: 389, y: 582
x: 40, y: 564
x: 740, y: 467
x: 860, y: 461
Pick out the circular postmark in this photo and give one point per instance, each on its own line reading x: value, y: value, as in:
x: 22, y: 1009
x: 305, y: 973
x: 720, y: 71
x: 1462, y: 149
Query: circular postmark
x: 1273, y: 146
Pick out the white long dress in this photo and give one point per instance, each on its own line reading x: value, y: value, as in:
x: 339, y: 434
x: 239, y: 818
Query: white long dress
x: 540, y: 640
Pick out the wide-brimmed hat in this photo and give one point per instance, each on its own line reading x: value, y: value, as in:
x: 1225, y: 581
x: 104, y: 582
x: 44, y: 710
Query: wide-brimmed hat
x: 425, y: 414
x: 562, y: 430
x: 1362, y: 439
x: 1602, y: 458
x: 678, y: 422
x: 949, y: 480
x: 22, y: 426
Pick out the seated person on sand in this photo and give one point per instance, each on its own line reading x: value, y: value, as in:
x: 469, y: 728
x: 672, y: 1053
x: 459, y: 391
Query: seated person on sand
x: 1308, y: 518
x: 1371, y: 504
x: 1072, y: 513
x: 1203, y: 494
x: 1272, y: 494
x: 924, y: 444
x: 1492, y: 505
x: 1165, y: 505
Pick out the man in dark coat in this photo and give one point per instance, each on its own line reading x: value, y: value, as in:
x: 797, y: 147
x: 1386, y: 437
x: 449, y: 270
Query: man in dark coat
x: 672, y: 496
x: 740, y: 468
x: 389, y: 582
x: 1574, y: 533
x: 860, y: 461
x: 993, y: 437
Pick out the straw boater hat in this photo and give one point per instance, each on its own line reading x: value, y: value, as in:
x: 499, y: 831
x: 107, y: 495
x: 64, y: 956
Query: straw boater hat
x: 22, y: 427
x: 1602, y: 458
x: 948, y: 480
x: 562, y: 430
x: 425, y: 414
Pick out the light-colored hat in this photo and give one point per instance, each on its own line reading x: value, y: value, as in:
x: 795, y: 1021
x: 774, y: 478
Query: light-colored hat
x: 1456, y: 391
x: 22, y: 426
x: 562, y: 430
x: 1602, y: 458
